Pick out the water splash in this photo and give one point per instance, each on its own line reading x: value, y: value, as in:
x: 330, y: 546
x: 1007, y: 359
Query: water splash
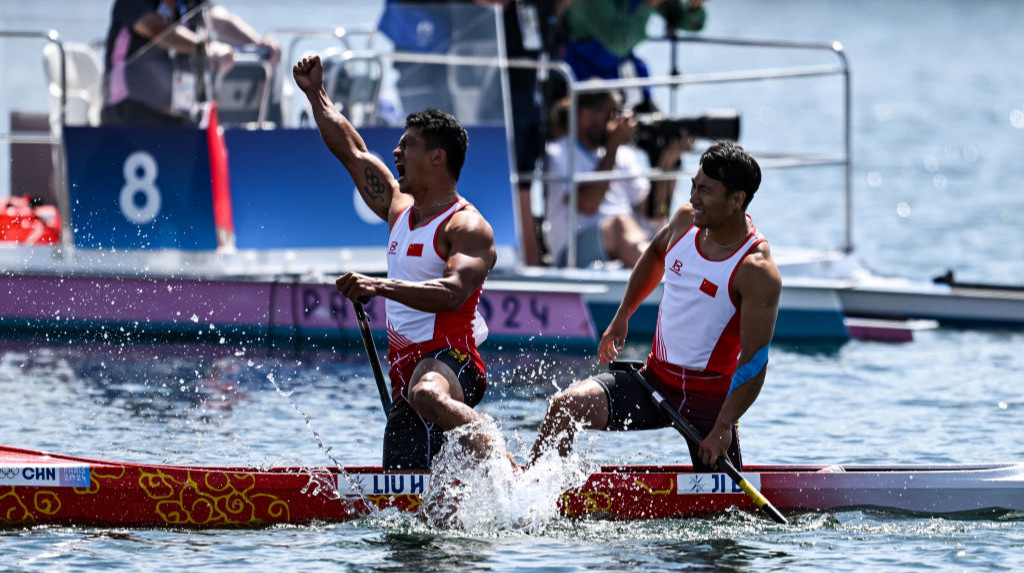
x: 473, y: 486
x: 317, y: 483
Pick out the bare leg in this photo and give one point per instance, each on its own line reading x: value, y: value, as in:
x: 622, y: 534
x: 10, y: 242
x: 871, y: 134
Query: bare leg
x: 585, y: 403
x: 436, y: 394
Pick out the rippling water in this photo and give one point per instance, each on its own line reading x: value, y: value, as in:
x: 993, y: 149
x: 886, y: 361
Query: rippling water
x: 848, y: 542
x: 937, y: 176
x: 948, y: 396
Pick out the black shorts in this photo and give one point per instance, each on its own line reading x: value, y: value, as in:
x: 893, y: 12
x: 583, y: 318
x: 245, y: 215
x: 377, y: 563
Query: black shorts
x: 410, y: 442
x: 630, y: 407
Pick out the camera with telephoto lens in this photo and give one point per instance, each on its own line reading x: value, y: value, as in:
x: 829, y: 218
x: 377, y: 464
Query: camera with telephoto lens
x: 654, y: 131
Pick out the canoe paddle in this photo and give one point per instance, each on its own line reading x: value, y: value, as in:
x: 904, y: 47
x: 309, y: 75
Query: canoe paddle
x: 688, y: 432
x: 371, y: 352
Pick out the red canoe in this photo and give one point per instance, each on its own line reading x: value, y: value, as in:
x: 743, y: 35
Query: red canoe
x: 38, y: 488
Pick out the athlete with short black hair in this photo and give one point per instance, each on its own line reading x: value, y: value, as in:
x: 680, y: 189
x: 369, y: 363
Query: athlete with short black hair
x: 440, y: 251
x: 715, y: 322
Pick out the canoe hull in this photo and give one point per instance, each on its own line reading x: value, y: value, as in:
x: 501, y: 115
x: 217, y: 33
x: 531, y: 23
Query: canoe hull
x: 42, y: 489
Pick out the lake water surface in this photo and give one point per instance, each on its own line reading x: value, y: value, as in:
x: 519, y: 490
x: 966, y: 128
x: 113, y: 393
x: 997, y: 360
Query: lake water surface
x: 938, y: 96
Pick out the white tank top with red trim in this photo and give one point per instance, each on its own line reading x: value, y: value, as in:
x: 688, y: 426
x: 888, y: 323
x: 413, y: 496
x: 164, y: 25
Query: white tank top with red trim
x: 698, y: 320
x: 412, y: 256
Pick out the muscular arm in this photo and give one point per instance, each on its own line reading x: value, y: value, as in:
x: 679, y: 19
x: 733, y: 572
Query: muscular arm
x: 645, y: 277
x: 471, y: 255
x: 758, y: 284
x: 374, y: 180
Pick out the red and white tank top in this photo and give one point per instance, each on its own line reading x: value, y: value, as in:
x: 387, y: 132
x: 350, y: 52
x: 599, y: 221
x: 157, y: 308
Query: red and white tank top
x: 412, y: 256
x: 698, y: 320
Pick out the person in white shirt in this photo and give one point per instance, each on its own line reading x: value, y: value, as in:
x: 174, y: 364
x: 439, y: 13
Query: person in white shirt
x: 608, y: 226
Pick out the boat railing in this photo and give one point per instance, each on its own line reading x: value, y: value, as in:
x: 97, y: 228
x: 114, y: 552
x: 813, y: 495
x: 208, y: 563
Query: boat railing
x: 341, y: 34
x: 504, y: 64
x: 766, y: 160
x: 356, y: 44
x: 53, y: 139
x: 344, y: 36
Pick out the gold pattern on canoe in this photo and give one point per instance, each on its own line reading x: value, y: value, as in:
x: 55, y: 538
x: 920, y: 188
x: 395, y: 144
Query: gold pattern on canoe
x: 384, y: 501
x: 46, y: 502
x: 112, y: 473
x: 593, y: 501
x: 12, y: 508
x: 671, y: 487
x: 215, y: 498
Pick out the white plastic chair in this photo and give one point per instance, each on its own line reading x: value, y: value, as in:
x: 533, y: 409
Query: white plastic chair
x: 84, y: 84
x: 473, y: 87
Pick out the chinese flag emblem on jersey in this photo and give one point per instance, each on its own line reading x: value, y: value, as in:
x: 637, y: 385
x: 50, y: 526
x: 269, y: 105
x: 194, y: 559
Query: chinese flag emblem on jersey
x: 709, y: 288
x: 415, y: 250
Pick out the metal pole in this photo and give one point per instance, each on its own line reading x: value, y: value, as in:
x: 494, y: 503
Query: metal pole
x: 848, y: 143
x: 506, y: 104
x: 573, y: 189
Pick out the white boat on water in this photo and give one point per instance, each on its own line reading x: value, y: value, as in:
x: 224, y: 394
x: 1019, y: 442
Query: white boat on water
x: 118, y: 264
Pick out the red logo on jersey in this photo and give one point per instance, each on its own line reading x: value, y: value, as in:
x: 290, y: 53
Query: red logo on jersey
x: 415, y: 250
x: 676, y: 267
x: 709, y: 288
x: 393, y: 250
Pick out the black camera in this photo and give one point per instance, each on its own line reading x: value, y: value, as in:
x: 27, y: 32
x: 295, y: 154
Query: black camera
x: 654, y: 131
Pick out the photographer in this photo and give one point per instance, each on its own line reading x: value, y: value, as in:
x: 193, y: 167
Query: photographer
x: 610, y: 224
x: 664, y: 139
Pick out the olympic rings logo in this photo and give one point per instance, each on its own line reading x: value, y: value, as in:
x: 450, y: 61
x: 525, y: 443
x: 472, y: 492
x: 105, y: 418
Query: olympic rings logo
x: 9, y: 473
